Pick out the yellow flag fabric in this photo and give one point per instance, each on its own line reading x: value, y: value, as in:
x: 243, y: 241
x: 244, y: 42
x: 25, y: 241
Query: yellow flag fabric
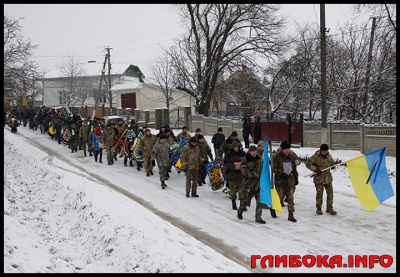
x: 370, y: 178
x: 276, y: 202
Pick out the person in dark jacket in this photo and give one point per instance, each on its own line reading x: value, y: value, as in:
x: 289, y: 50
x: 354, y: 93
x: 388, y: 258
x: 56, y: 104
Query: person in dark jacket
x: 232, y: 162
x: 257, y: 129
x: 217, y: 140
x: 58, y: 125
x: 246, y: 131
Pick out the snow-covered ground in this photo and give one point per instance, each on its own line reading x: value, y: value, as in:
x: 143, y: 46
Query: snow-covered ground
x: 64, y: 212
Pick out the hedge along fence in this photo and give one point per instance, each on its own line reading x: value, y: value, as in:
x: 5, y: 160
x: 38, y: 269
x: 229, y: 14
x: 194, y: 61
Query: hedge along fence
x: 352, y: 135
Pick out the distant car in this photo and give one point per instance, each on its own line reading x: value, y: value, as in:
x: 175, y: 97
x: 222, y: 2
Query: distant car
x: 113, y: 119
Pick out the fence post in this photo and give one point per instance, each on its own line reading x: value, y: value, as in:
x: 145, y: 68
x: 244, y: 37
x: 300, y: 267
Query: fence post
x: 128, y: 114
x: 362, y: 134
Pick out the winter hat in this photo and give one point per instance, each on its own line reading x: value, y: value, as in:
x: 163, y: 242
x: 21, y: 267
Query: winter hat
x: 234, y: 134
x: 260, y: 143
x: 235, y: 144
x: 97, y: 131
x: 219, y: 129
x: 324, y: 147
x: 252, y: 148
x: 200, y: 136
x: 162, y: 136
x: 193, y: 139
x: 285, y: 145
x: 198, y: 130
x: 184, y: 127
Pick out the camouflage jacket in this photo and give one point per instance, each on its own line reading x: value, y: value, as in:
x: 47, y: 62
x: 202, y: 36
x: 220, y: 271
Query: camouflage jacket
x: 161, y: 153
x: 108, y: 137
x: 146, y: 144
x: 205, y: 151
x: 185, y: 135
x: 190, y: 157
x: 251, y: 168
x: 317, y: 160
x: 225, y: 147
x: 84, y: 133
x: 284, y: 164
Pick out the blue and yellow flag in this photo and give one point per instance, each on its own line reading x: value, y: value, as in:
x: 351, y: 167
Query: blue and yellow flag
x: 370, y: 178
x: 268, y: 194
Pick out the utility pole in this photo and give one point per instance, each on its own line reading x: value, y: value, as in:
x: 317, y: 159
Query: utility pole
x: 368, y: 73
x: 109, y: 78
x: 103, y: 71
x: 324, y: 125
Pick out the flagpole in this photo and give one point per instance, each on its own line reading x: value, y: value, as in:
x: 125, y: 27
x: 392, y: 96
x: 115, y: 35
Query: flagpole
x: 310, y: 175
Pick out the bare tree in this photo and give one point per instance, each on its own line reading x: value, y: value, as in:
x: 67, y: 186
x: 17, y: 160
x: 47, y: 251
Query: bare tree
x: 245, y: 90
x: 163, y: 75
x: 76, y: 86
x: 20, y: 71
x: 223, y: 35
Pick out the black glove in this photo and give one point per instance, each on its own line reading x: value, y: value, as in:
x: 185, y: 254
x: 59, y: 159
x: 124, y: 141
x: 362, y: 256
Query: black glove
x: 284, y: 175
x: 296, y: 181
x: 318, y: 171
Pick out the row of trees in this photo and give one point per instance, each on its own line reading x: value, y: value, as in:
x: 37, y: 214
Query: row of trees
x: 219, y: 58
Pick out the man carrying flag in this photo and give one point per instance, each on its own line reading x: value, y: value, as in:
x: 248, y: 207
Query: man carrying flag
x: 251, y: 169
x: 284, y: 167
x: 321, y: 159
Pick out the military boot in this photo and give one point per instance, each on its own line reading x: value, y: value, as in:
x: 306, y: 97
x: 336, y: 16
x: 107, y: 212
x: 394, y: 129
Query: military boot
x: 240, y: 214
x: 234, y: 205
x: 291, y: 217
x: 259, y: 220
x: 331, y: 211
x: 273, y: 213
x: 319, y: 211
x: 84, y: 152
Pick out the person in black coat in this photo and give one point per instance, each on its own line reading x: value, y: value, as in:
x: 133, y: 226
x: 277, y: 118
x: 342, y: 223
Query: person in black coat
x: 257, y: 129
x: 217, y: 140
x: 246, y: 132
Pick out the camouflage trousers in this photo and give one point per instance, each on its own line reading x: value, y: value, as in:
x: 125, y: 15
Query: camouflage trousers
x: 320, y: 193
x: 163, y: 172
x: 191, y: 180
x: 237, y: 188
x: 253, y: 191
x: 286, y: 190
x: 110, y: 154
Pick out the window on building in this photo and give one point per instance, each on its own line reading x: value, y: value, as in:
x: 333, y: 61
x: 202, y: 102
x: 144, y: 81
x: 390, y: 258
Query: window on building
x: 62, y: 98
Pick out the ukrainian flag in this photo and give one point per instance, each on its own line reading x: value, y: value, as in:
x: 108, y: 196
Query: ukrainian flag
x: 268, y: 193
x: 370, y: 178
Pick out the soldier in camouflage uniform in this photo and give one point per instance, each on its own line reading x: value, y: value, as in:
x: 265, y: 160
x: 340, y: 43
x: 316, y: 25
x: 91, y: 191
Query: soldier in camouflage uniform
x: 232, y: 161
x: 190, y: 161
x: 205, y: 153
x: 74, y: 140
x: 184, y: 134
x: 225, y: 147
x: 251, y: 168
x: 161, y: 154
x: 322, y: 179
x: 108, y: 140
x: 284, y: 169
x: 84, y: 136
x: 146, y: 145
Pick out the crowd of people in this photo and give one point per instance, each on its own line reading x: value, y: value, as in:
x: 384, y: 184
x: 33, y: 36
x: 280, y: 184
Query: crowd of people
x: 139, y: 147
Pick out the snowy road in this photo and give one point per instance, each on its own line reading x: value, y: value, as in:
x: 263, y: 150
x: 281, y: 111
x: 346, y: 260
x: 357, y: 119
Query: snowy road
x: 210, y: 219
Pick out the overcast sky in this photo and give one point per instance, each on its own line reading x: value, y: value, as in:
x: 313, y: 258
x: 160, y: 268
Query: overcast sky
x: 135, y: 32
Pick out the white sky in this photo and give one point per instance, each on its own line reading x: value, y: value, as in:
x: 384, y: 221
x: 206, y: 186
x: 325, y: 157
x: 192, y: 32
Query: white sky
x: 65, y: 213
x: 135, y: 32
